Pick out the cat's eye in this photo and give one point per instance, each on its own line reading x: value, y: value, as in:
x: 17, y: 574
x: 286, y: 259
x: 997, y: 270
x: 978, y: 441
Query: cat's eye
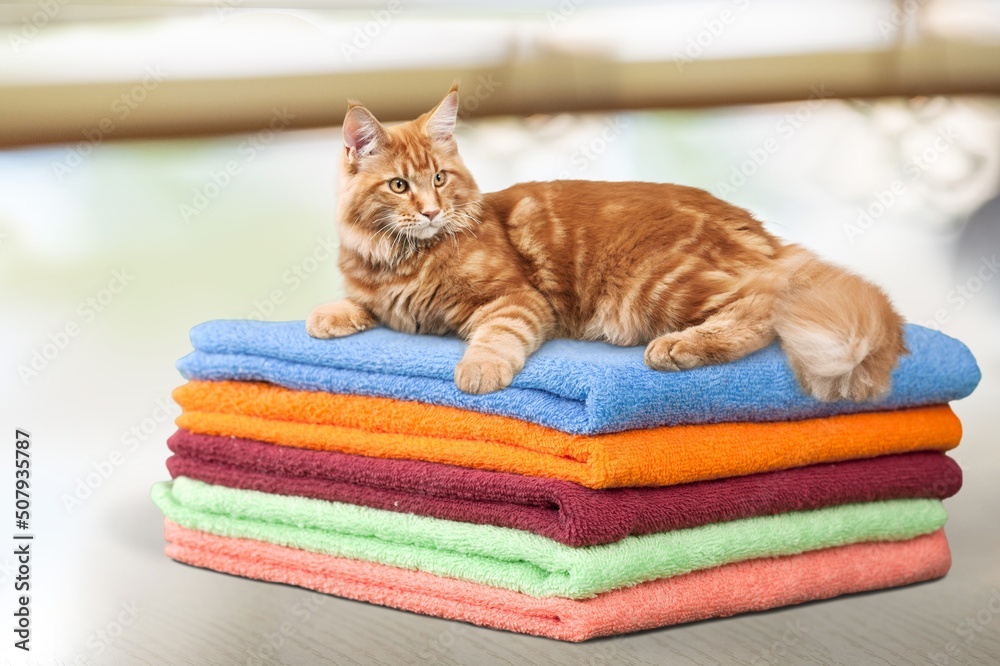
x: 398, y: 185
x: 439, y: 178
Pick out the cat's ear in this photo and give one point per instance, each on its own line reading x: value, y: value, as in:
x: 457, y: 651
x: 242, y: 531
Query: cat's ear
x: 363, y: 134
x: 440, y: 125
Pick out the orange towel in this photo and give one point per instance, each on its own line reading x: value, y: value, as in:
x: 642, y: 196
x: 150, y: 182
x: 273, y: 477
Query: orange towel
x: 387, y: 428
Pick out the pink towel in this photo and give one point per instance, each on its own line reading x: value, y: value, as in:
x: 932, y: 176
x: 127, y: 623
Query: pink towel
x: 734, y: 588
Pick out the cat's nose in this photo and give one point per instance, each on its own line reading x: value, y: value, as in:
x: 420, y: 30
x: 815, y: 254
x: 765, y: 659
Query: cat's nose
x: 431, y: 214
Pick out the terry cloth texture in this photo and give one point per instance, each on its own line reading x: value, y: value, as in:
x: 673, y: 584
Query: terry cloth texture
x: 575, y: 386
x: 523, y: 561
x: 560, y: 510
x: 752, y: 585
x: 385, y: 428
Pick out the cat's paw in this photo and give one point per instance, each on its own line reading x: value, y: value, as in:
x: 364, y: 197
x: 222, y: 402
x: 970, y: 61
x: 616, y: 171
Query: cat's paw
x: 335, y: 320
x: 483, y: 373
x: 673, y: 351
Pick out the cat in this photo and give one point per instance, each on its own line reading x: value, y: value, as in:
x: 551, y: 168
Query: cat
x: 695, y: 279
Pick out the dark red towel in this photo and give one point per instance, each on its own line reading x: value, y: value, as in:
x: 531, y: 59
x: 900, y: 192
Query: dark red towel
x: 560, y: 510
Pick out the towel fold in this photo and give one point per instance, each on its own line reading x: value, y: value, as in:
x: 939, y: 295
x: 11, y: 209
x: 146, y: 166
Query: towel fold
x: 523, y: 561
x: 752, y: 585
x: 575, y: 386
x: 560, y: 510
x: 385, y: 428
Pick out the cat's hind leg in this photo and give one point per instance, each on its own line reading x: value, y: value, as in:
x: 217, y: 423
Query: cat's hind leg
x: 740, y: 327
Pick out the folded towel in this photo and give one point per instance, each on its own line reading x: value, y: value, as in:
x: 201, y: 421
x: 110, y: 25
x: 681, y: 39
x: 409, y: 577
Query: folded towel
x: 578, y: 387
x: 560, y: 510
x: 523, y: 561
x: 384, y: 428
x: 752, y: 585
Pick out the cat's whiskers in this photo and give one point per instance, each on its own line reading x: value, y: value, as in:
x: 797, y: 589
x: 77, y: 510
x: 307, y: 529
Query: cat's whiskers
x: 463, y: 223
x: 393, y: 234
x: 466, y: 216
x: 386, y: 232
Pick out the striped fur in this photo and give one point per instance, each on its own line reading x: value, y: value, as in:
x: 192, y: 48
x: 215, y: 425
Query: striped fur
x: 697, y: 280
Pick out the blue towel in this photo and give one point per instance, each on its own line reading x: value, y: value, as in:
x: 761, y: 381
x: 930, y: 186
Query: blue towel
x: 574, y: 386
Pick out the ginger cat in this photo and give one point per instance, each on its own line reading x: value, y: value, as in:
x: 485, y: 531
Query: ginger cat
x: 695, y: 279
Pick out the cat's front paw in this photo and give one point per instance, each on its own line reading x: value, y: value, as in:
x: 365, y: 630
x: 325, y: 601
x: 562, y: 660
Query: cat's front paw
x: 335, y: 320
x: 483, y: 373
x: 672, y: 352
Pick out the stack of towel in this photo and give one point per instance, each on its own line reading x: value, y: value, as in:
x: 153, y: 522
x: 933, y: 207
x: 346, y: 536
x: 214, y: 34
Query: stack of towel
x: 592, y: 497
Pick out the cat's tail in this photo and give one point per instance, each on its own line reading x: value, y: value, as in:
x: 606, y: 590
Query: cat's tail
x: 839, y: 331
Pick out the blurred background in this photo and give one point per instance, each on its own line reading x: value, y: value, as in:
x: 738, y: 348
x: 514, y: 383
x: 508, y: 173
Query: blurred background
x: 167, y: 162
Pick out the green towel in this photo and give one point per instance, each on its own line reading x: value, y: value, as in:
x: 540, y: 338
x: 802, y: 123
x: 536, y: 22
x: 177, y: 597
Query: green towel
x: 523, y: 561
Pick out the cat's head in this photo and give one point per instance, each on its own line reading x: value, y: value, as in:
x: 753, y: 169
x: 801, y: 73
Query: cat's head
x: 404, y: 187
